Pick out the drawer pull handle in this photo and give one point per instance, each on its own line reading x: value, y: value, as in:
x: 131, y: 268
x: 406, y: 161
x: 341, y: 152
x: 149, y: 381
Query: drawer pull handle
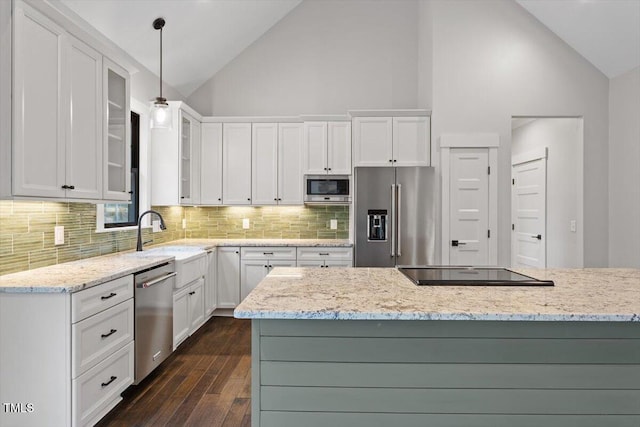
x: 113, y: 378
x: 111, y: 332
x: 324, y: 254
x: 111, y: 295
x: 192, y: 293
x: 267, y: 253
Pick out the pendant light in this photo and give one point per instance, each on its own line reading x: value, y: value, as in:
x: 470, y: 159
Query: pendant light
x: 161, y: 116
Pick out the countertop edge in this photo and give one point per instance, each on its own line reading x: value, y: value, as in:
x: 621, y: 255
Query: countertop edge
x: 539, y: 317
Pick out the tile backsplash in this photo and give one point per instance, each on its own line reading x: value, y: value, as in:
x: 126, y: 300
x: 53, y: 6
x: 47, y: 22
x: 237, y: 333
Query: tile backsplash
x: 27, y: 235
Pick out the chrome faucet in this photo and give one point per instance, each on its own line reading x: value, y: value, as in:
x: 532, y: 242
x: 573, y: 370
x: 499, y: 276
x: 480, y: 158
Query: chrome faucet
x: 162, y: 227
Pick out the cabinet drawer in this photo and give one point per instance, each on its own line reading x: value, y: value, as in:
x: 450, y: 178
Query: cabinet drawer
x: 190, y: 269
x: 95, y: 338
x: 266, y: 252
x: 93, y: 300
x: 320, y: 253
x: 96, y: 391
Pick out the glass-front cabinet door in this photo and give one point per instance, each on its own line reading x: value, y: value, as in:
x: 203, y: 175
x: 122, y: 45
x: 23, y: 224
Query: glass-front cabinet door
x: 117, y: 134
x: 185, y: 158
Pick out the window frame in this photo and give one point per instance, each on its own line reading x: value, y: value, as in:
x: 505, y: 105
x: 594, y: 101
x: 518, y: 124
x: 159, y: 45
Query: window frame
x: 144, y: 190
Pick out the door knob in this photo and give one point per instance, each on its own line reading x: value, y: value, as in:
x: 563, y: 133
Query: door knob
x: 457, y: 243
x: 539, y: 237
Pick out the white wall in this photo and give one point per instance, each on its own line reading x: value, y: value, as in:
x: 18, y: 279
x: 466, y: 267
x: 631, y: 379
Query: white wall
x: 493, y: 60
x: 624, y: 170
x: 325, y: 57
x: 562, y: 137
x: 145, y: 87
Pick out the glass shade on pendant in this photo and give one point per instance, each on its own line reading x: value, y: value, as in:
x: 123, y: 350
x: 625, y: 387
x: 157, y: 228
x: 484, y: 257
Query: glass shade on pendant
x: 161, y: 115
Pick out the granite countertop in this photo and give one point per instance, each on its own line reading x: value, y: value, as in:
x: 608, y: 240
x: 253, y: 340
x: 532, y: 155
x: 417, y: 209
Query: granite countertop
x: 386, y: 294
x: 78, y: 275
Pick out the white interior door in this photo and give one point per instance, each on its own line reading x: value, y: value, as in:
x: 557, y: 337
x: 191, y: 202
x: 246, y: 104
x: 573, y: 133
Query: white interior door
x: 469, y: 206
x: 529, y: 207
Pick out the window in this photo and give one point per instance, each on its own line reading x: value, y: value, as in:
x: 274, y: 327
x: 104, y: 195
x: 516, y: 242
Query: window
x: 126, y: 214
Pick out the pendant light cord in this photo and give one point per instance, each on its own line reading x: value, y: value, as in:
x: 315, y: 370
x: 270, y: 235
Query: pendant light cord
x: 160, y: 62
x: 158, y: 24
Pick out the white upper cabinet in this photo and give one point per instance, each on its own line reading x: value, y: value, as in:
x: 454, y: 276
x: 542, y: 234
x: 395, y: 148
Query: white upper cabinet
x: 277, y: 164
x: 236, y: 163
x: 175, y: 154
x: 64, y: 130
x: 411, y: 141
x: 372, y: 141
x: 38, y: 123
x: 339, y: 148
x: 117, y: 132
x: 327, y: 148
x: 211, y: 164
x: 391, y: 141
x: 83, y: 163
x: 290, y: 176
x: 264, y: 164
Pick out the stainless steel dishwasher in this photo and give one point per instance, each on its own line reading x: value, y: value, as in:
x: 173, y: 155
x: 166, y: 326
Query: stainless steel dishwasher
x: 153, y: 318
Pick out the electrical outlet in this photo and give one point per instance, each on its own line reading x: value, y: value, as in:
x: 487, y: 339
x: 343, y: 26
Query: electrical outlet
x: 245, y: 223
x: 334, y: 224
x: 572, y: 225
x: 58, y: 234
x: 184, y: 223
x: 155, y: 226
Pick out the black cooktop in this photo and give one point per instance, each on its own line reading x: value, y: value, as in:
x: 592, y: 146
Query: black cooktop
x: 469, y: 276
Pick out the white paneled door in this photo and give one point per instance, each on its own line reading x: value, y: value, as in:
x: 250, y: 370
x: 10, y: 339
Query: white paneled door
x: 469, y: 206
x: 529, y: 206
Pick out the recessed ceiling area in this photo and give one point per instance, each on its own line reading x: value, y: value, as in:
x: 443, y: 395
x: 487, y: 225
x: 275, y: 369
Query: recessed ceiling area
x: 199, y: 38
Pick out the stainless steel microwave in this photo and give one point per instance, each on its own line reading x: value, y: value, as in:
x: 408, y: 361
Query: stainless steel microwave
x: 327, y: 189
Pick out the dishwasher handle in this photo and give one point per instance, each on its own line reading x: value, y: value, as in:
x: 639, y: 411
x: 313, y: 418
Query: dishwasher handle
x: 155, y: 281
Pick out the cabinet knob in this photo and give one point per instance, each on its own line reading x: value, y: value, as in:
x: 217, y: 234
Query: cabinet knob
x: 390, y: 161
x: 219, y: 199
x: 329, y: 168
x: 275, y: 200
x: 248, y: 199
x: 394, y: 160
x: 279, y: 199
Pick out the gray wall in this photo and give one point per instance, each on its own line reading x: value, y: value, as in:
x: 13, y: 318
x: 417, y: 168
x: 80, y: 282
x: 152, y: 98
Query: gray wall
x: 624, y: 168
x: 325, y: 57
x: 493, y: 60
x: 562, y: 137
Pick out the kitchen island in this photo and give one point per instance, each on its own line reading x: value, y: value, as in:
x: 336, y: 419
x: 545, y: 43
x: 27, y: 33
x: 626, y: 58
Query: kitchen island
x: 366, y: 347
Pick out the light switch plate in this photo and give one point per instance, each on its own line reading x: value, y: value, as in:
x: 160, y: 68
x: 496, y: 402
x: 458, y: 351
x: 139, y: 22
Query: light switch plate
x: 572, y: 225
x: 245, y: 223
x: 334, y: 224
x: 155, y: 225
x: 58, y: 233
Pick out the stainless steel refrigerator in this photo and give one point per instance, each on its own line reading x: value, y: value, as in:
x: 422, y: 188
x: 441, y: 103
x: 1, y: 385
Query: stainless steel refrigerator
x: 394, y: 216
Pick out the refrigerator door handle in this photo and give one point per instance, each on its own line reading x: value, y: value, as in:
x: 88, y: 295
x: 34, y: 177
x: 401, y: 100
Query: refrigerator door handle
x: 399, y: 219
x: 393, y: 220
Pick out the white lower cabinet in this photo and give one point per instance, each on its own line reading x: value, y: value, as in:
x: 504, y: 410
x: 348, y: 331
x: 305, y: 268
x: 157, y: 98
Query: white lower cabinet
x: 69, y: 356
x: 324, y: 257
x: 98, y: 390
x: 188, y: 311
x: 228, y: 276
x: 210, y: 286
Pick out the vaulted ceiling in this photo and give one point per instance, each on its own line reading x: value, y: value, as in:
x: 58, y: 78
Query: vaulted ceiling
x: 202, y: 36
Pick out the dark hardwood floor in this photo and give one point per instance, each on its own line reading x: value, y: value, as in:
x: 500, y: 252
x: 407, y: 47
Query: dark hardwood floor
x: 205, y: 382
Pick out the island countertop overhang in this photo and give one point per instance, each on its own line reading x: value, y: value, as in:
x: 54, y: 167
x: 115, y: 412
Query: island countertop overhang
x: 594, y: 294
